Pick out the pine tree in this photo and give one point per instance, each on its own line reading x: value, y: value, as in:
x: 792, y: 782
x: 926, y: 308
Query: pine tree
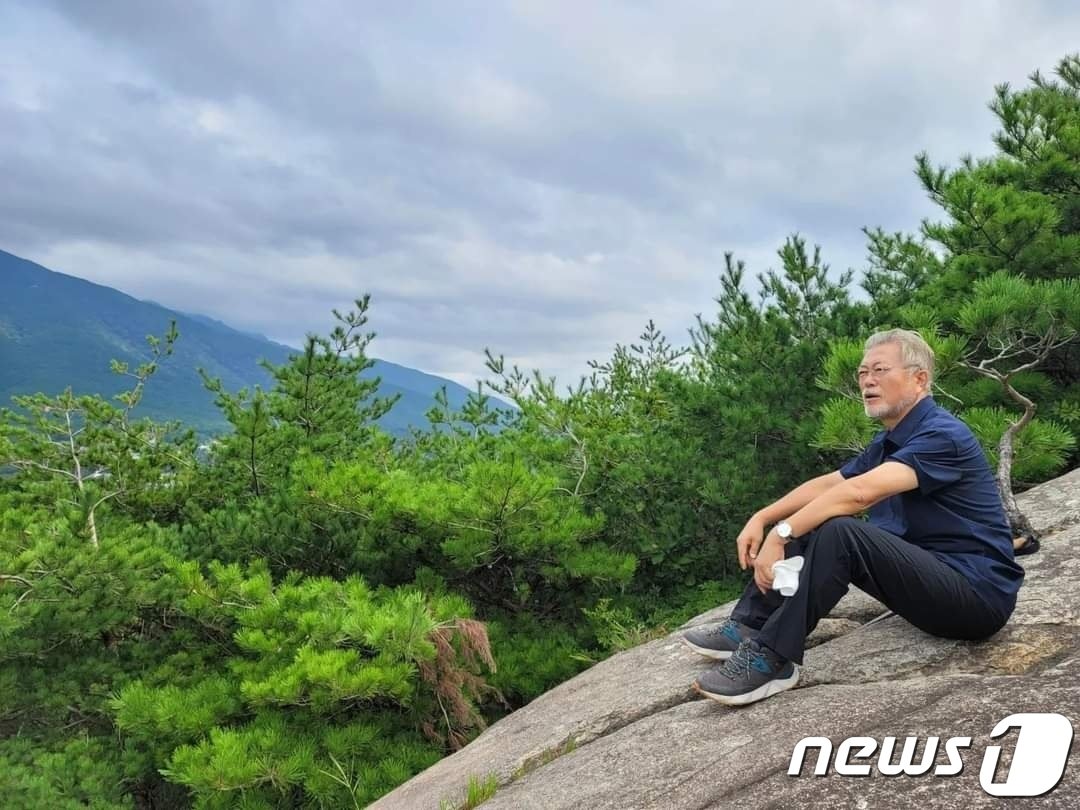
x: 999, y: 302
x: 90, y: 452
x: 1017, y: 211
x: 1013, y: 326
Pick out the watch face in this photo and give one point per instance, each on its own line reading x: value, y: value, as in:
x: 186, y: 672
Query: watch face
x: 784, y: 530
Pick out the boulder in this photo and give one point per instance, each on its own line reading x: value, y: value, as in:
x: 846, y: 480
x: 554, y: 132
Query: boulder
x: 630, y: 733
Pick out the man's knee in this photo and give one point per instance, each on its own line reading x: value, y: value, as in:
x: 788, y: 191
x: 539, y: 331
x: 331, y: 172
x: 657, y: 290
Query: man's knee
x: 839, y: 526
x: 836, y: 538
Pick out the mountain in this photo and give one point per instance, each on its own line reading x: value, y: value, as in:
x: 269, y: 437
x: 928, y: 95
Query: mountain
x: 57, y: 331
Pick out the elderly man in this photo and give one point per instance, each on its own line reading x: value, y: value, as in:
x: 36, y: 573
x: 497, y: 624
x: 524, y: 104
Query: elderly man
x: 937, y: 548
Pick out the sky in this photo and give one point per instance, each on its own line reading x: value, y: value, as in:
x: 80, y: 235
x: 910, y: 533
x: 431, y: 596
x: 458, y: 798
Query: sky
x: 536, y: 178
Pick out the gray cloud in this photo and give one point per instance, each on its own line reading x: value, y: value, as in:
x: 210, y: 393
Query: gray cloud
x: 540, y: 178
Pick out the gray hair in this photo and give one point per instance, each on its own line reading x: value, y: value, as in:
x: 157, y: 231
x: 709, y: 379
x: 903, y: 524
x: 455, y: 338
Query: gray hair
x: 913, y: 349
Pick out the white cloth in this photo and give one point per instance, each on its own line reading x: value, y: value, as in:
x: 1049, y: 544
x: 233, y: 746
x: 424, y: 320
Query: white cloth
x: 786, y: 575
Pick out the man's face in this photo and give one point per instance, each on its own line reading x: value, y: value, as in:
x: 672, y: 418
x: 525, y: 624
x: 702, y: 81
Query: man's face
x: 889, y: 389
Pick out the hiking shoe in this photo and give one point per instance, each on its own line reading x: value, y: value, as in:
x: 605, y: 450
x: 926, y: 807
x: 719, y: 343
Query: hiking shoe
x: 752, y: 673
x: 1030, y: 546
x: 718, y: 642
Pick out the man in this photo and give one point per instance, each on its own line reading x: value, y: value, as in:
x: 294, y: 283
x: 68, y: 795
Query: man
x: 937, y: 549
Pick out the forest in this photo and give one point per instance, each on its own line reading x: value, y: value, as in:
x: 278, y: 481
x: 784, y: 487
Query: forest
x: 309, y: 611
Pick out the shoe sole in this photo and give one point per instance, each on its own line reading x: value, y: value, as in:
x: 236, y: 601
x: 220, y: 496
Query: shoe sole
x: 765, y: 690
x: 716, y: 655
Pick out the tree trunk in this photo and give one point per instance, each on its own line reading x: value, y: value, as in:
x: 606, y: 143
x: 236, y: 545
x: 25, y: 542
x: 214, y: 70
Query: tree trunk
x: 91, y: 524
x: 1018, y: 521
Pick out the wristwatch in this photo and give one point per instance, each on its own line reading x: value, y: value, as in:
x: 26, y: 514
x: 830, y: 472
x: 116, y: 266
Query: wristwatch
x: 783, y: 529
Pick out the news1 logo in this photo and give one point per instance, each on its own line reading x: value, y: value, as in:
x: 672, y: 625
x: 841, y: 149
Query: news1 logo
x: 1038, y: 761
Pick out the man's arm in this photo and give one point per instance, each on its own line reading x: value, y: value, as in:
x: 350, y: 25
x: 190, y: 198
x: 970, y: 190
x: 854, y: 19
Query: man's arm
x: 750, y: 538
x: 849, y: 497
x: 799, y: 497
x: 854, y: 495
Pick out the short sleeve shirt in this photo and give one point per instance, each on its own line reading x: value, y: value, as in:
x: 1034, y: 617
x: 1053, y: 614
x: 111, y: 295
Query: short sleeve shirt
x: 956, y: 511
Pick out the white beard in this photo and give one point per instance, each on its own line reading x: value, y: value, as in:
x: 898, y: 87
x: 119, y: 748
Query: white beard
x: 883, y: 411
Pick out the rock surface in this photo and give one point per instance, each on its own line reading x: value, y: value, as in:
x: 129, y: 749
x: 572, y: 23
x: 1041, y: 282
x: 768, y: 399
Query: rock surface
x: 629, y: 732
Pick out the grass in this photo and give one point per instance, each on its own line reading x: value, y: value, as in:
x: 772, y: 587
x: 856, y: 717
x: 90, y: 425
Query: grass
x: 478, y: 792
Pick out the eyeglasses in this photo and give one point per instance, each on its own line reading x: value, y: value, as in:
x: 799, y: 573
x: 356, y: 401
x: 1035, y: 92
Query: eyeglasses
x: 877, y: 372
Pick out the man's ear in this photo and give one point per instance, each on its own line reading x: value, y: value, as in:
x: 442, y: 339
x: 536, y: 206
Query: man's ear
x: 924, y: 378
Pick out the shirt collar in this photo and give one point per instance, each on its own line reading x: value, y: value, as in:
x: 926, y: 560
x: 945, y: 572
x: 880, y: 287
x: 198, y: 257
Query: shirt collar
x: 903, y: 430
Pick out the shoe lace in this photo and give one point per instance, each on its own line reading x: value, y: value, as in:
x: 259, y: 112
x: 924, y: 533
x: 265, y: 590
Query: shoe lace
x: 741, y: 662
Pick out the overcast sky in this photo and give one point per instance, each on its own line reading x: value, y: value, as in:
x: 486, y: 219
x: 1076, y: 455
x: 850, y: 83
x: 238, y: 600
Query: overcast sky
x: 540, y: 178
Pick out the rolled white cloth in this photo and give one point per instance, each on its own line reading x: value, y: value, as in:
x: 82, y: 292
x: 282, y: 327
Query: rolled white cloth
x: 786, y: 575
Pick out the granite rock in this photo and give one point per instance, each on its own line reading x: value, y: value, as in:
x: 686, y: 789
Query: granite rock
x: 629, y: 732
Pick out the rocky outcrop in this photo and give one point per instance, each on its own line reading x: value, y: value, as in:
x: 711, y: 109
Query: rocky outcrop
x: 629, y: 732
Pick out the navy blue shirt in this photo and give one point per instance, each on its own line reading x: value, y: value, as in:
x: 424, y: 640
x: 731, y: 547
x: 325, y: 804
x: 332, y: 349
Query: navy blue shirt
x: 956, y: 512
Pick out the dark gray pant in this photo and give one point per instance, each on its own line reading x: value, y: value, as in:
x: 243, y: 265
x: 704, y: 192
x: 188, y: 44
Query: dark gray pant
x: 908, y: 579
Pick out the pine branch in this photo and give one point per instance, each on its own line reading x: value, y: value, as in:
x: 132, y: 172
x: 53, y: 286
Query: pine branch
x: 27, y: 463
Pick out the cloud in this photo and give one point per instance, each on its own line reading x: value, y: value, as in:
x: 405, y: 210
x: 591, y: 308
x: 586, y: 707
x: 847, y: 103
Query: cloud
x: 540, y: 178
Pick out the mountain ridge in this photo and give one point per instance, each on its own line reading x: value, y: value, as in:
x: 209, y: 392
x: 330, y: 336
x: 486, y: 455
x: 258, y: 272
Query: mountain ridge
x: 59, y: 330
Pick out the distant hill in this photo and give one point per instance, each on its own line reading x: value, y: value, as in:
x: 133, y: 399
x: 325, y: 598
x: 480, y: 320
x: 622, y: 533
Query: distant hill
x: 57, y: 330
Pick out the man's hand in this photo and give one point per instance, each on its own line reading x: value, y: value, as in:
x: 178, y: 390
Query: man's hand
x: 772, y: 550
x: 748, y: 541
